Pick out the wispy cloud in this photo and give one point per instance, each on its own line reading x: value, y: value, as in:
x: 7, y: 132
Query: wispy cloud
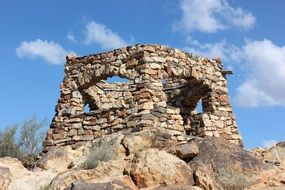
x: 249, y: 95
x: 212, y: 16
x: 49, y: 51
x: 264, y: 84
x: 71, y: 37
x: 228, y: 52
x: 269, y: 143
x: 103, y: 36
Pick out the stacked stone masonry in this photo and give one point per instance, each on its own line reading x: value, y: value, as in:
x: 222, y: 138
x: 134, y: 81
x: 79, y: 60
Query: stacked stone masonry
x: 164, y: 86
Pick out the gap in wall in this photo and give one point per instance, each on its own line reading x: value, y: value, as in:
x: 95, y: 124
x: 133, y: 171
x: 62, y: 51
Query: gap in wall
x: 199, y: 106
x: 86, y: 108
x: 115, y: 79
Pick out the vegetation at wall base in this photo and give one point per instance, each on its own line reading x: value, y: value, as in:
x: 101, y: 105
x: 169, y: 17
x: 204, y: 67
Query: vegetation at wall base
x: 23, y: 141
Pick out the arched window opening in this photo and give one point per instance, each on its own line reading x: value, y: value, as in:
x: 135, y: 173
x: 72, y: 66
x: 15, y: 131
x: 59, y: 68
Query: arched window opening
x: 116, y: 79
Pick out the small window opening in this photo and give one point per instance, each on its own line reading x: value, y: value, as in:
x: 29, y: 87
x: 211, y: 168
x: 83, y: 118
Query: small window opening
x: 199, y: 106
x: 164, y: 82
x: 86, y: 108
x: 115, y: 79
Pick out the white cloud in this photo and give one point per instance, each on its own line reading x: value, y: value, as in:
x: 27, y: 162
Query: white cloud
x: 264, y: 84
x: 50, y: 51
x: 238, y: 17
x: 212, y: 16
x: 248, y: 95
x: 71, y: 37
x: 103, y: 36
x: 269, y: 143
x: 229, y: 53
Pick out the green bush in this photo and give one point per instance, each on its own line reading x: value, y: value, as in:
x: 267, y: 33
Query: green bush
x: 8, y: 144
x: 102, y: 153
x: 23, y: 141
x: 45, y: 187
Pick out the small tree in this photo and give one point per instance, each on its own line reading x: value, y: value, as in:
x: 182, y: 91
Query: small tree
x: 31, y: 137
x: 8, y: 144
x: 24, y: 145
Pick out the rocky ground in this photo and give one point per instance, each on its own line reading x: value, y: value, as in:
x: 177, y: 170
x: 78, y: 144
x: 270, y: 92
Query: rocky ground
x: 150, y: 161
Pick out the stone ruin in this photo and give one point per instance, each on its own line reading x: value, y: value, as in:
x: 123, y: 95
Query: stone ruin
x: 163, y: 89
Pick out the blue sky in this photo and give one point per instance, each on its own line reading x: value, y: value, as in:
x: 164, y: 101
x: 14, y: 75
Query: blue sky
x: 249, y: 36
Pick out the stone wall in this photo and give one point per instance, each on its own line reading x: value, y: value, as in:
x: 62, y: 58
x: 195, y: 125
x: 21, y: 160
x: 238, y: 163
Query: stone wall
x: 163, y: 88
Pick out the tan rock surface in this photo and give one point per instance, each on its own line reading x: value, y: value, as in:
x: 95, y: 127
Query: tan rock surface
x: 272, y: 179
x: 275, y: 154
x: 174, y: 187
x: 59, y: 159
x: 33, y: 181
x: 5, y: 178
x: 212, y: 164
x: 15, y: 167
x: 152, y: 167
x: 120, y: 183
x: 14, y: 176
x: 184, y: 151
x: 138, y: 142
x: 205, y: 180
x: 102, y: 173
x: 227, y: 166
x: 275, y: 177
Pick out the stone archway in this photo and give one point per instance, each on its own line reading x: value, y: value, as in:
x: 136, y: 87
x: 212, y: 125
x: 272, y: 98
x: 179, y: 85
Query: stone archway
x: 185, y: 95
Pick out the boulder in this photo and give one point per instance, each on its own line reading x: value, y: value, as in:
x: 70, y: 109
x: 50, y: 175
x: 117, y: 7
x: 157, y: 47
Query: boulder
x: 124, y: 182
x: 152, y: 168
x: 227, y: 165
x: 104, y: 172
x: 204, y: 180
x: 270, y: 179
x: 275, y: 154
x: 138, y: 142
x: 150, y: 160
x: 90, y: 186
x: 14, y: 176
x: 274, y: 178
x: 34, y: 181
x: 5, y: 178
x: 184, y: 151
x: 15, y: 167
x: 59, y: 159
x: 175, y: 187
x: 112, y: 143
